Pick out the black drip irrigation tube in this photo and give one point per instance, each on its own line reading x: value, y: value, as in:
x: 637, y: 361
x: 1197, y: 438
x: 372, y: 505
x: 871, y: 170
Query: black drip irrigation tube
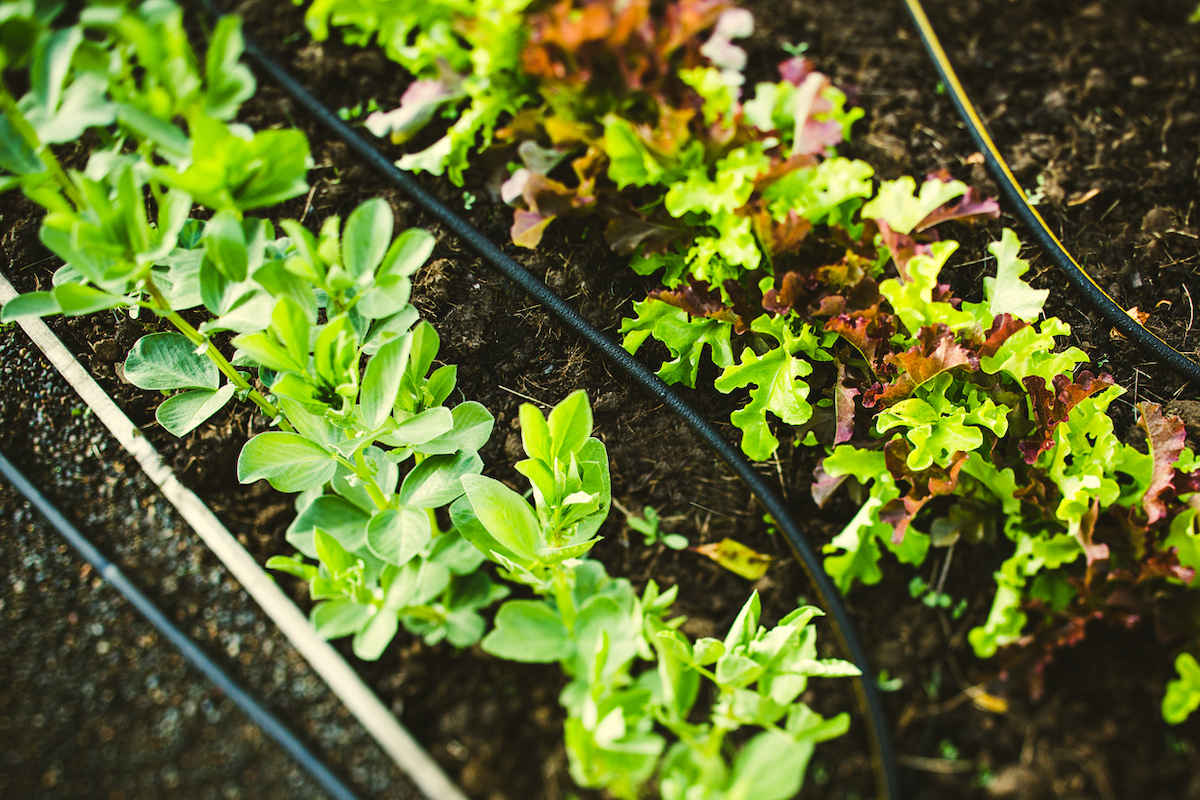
x: 1133, y: 330
x: 269, y: 723
x: 885, y: 769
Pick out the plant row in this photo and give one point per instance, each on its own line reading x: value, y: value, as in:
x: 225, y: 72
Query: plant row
x: 395, y: 523
x: 817, y: 291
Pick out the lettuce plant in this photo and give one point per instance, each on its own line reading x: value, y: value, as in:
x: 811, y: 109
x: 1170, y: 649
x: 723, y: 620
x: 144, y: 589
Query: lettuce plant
x: 599, y: 630
x: 818, y: 293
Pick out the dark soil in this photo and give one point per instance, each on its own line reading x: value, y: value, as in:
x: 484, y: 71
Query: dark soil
x: 1081, y: 97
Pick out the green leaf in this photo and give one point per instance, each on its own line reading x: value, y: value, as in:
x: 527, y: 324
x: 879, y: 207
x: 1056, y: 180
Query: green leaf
x: 75, y: 299
x: 817, y: 193
x: 30, y: 304
x: 707, y: 651
x: 570, y: 425
x: 535, y: 434
x: 407, y: 254
x: 422, y: 429
x: 737, y: 671
x: 337, y: 618
x: 1183, y: 693
x: 291, y: 326
x: 604, y: 627
x: 1007, y: 293
x: 169, y: 141
x: 293, y: 566
x: 685, y: 337
x: 366, y: 237
x: 335, y: 558
x: 745, y: 625
x: 290, y: 462
x: 228, y: 172
x: 165, y: 361
x: 15, y: 154
x: 182, y: 413
x: 770, y: 766
x: 504, y: 514
x: 629, y: 162
x: 228, y: 83
x: 528, y: 631
x: 225, y: 245
x: 471, y: 427
x: 381, y: 382
x: 438, y: 480
x: 371, y: 641
x: 913, y: 299
x: 338, y: 517
x: 778, y: 389
x: 902, y: 209
x: 397, y: 535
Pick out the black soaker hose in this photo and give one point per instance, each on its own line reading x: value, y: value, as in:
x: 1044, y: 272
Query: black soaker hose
x: 111, y: 573
x: 1038, y: 229
x: 886, y: 773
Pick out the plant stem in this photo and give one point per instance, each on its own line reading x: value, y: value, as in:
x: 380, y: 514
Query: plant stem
x: 364, y: 474
x: 163, y: 308
x: 562, y: 595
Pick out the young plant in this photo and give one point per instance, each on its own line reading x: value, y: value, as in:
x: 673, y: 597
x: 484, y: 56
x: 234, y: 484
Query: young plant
x: 647, y: 526
x: 307, y: 310
x: 598, y: 629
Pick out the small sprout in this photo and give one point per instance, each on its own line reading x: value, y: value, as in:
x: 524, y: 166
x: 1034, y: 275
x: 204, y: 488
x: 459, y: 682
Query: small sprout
x: 947, y: 750
x: 886, y: 683
x: 648, y: 526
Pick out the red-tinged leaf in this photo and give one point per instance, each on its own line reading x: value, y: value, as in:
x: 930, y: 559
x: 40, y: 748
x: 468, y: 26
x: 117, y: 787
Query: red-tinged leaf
x: 794, y: 288
x: 1162, y: 564
x: 685, y: 19
x: 795, y: 70
x: 1186, y: 482
x: 575, y: 43
x: 853, y: 272
x: 699, y: 300
x: 741, y: 306
x: 418, y: 104
x: 863, y: 300
x: 867, y: 336
x: 969, y: 208
x: 550, y: 198
x: 780, y: 238
x: 528, y: 228
x: 824, y: 484
x: 1003, y: 327
x: 1051, y: 408
x: 902, y: 247
x: 780, y: 167
x: 815, y: 137
x: 628, y: 229
x: 737, y: 558
x: 843, y: 405
x: 1166, y: 436
x: 1092, y: 551
x: 936, y: 351
x: 925, y: 485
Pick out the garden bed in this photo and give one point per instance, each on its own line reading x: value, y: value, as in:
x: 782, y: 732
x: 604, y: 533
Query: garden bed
x: 1081, y: 97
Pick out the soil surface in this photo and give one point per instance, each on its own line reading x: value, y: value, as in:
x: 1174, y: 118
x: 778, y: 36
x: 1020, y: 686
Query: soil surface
x: 1096, y: 104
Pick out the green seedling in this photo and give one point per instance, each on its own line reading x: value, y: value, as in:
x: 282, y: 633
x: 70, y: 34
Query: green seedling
x: 647, y: 526
x: 600, y: 630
